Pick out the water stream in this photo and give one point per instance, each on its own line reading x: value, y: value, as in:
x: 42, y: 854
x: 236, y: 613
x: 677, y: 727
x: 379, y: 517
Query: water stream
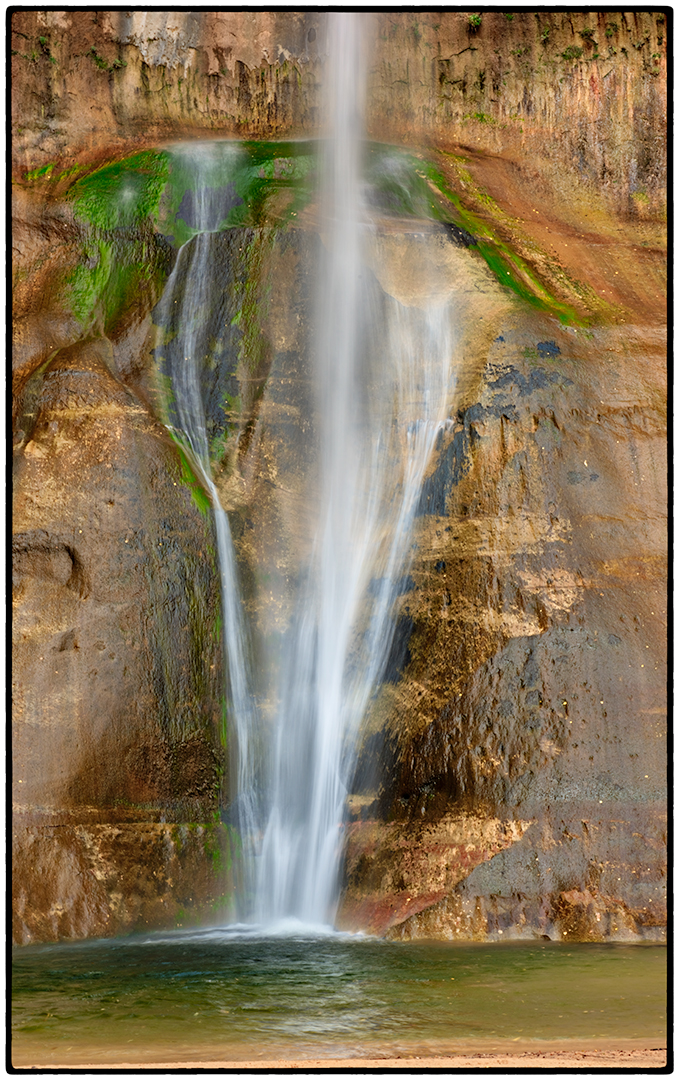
x: 382, y: 375
x: 183, y: 316
x: 382, y: 378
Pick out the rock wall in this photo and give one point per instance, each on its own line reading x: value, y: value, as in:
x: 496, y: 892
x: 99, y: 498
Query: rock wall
x: 511, y: 780
x: 117, y: 708
x: 579, y: 96
x: 532, y: 692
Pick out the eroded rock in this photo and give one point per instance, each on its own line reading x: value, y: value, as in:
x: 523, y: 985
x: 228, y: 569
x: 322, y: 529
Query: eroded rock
x: 117, y: 654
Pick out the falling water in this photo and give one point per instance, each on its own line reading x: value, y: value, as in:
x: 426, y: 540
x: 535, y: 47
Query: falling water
x: 382, y: 374
x: 185, y: 315
x: 382, y: 377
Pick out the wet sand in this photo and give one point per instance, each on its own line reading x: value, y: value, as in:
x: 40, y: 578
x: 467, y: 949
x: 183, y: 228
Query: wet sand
x: 609, y: 1056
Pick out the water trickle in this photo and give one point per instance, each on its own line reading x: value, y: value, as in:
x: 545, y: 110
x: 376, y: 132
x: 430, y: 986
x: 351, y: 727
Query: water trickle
x: 382, y: 391
x: 186, y: 314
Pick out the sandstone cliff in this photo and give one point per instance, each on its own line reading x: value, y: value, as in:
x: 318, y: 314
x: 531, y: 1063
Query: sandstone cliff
x: 511, y: 780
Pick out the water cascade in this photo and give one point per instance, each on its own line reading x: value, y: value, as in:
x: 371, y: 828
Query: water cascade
x: 382, y: 391
x: 183, y: 315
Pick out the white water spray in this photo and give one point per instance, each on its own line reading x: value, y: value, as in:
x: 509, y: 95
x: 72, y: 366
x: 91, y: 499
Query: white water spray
x: 382, y: 390
x: 383, y: 387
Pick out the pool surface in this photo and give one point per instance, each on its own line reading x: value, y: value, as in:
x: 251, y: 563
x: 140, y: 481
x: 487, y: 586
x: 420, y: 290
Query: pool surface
x: 233, y: 995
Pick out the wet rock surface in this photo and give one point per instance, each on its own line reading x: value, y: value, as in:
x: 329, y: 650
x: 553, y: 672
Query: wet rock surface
x: 116, y: 674
x: 535, y: 682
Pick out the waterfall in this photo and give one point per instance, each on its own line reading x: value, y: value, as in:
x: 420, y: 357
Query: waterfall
x: 186, y: 315
x: 382, y: 377
x: 382, y: 389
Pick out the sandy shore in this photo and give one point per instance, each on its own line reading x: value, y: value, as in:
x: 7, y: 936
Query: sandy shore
x: 637, y: 1057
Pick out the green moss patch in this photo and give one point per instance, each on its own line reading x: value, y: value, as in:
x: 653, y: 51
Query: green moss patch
x: 114, y: 274
x: 238, y: 184
x: 43, y: 173
x: 509, y: 268
x: 188, y: 477
x: 124, y: 193
x: 119, y: 203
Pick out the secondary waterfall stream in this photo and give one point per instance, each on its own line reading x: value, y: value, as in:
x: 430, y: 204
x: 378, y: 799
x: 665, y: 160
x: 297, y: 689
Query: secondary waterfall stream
x: 382, y: 378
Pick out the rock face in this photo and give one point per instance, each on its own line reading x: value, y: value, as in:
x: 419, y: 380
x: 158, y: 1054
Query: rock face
x: 512, y: 771
x: 540, y: 88
x: 533, y: 687
x: 117, y: 712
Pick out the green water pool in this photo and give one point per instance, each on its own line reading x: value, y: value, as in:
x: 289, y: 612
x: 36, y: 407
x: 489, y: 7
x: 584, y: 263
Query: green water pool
x: 224, y: 995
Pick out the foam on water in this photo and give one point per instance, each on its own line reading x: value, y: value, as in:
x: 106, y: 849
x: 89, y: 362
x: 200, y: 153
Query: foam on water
x: 291, y: 929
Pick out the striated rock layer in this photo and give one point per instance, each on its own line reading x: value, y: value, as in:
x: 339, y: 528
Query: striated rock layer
x: 117, y: 762
x: 579, y: 98
x: 511, y: 780
x: 533, y: 683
